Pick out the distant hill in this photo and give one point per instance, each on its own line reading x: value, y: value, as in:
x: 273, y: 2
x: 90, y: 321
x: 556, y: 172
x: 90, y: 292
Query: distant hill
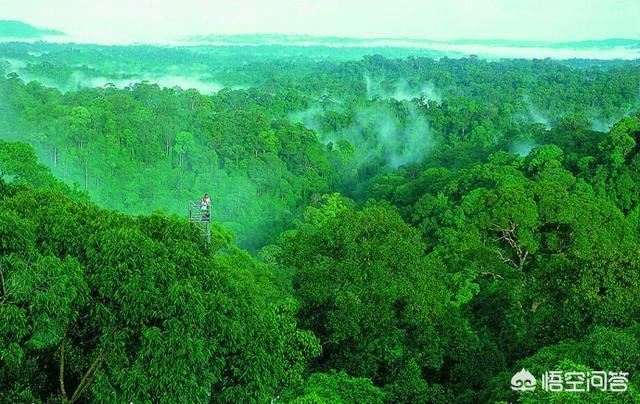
x: 17, y: 29
x: 590, y: 44
x: 305, y: 40
x: 606, y: 43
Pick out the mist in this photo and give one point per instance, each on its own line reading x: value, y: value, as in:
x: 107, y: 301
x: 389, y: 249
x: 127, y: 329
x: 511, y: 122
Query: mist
x: 310, y: 118
x: 602, y: 124
x: 451, y: 49
x: 190, y: 78
x: 396, y: 136
x: 522, y: 148
x: 534, y: 114
x: 400, y: 90
x: 78, y: 80
x: 399, y: 144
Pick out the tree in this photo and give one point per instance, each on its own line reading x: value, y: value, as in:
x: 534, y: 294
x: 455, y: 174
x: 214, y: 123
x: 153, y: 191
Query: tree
x: 183, y: 145
x: 368, y: 293
x: 337, y: 387
x: 98, y: 306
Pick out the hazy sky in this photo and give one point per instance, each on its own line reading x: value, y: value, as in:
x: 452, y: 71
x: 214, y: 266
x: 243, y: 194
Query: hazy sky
x: 158, y: 20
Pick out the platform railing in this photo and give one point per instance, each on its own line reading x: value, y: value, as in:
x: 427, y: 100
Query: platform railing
x: 197, y: 214
x: 201, y: 218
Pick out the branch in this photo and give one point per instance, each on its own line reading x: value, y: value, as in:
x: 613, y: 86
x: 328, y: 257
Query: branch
x: 509, y: 235
x: 4, y: 291
x: 504, y: 259
x: 61, y: 374
x: 87, y: 379
x: 492, y: 274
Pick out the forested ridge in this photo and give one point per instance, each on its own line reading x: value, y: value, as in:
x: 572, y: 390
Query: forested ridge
x: 386, y: 230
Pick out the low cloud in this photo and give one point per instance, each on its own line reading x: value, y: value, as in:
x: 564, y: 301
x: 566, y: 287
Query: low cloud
x: 189, y: 79
x: 400, y: 90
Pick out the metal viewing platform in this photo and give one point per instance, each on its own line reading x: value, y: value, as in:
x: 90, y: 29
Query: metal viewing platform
x: 201, y: 217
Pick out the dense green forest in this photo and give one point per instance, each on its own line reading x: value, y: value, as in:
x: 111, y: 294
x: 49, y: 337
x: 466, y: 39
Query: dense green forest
x: 146, y: 147
x: 386, y: 229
